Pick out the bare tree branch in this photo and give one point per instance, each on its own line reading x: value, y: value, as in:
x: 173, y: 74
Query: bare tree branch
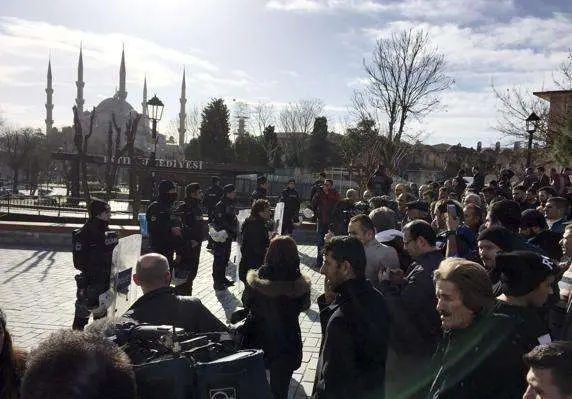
x: 262, y: 115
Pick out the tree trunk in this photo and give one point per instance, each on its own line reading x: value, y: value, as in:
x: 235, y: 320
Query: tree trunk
x: 15, y: 181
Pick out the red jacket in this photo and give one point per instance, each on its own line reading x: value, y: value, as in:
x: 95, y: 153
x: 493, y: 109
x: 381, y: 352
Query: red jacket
x: 324, y: 204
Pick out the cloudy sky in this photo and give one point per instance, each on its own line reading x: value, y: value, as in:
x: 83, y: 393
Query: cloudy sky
x: 277, y: 51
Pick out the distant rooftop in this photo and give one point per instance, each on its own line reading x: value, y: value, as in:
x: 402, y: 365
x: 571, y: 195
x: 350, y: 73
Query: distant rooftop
x: 547, y: 95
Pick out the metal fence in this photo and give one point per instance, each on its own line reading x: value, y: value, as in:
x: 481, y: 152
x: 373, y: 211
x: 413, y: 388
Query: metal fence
x: 60, y: 206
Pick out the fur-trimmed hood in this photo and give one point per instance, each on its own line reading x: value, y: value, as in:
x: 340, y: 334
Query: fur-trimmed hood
x: 273, y: 289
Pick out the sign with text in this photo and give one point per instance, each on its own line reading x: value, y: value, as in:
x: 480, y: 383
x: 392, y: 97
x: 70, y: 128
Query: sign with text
x: 161, y: 163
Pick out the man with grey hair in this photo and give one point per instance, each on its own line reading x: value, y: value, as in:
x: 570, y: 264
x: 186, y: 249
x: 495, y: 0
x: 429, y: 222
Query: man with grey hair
x: 160, y: 305
x: 344, y: 211
x: 472, y: 198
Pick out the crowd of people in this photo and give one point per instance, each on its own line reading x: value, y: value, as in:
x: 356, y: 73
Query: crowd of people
x: 452, y: 289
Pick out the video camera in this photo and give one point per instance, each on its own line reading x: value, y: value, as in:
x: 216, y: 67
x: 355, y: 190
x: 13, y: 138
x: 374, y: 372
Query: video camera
x: 173, y: 363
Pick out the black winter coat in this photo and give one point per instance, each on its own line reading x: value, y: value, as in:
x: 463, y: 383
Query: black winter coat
x: 254, y: 243
x: 212, y: 197
x: 416, y: 326
x: 275, y: 307
x: 291, y: 200
x: 192, y: 225
x: 163, y: 307
x: 93, y: 246
x: 355, y: 335
x: 481, y: 361
x: 225, y: 217
x: 160, y: 220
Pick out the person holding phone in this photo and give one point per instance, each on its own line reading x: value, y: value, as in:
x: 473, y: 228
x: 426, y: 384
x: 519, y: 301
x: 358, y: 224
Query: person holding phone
x: 458, y: 239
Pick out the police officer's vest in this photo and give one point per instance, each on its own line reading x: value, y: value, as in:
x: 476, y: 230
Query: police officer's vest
x: 82, y: 252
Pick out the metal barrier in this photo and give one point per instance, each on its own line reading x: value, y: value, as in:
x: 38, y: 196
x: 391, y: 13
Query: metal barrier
x: 61, y: 206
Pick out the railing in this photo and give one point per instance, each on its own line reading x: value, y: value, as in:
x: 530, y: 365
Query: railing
x: 61, y: 206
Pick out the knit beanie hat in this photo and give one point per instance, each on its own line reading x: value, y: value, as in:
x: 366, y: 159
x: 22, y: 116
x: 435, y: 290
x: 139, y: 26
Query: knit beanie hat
x: 499, y: 236
x: 522, y: 272
x: 97, y: 206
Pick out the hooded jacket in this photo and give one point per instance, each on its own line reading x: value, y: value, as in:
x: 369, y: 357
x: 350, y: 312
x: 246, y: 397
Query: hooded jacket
x: 275, y: 306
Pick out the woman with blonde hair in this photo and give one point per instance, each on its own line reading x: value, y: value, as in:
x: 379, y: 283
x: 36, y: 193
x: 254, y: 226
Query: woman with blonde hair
x: 12, y: 363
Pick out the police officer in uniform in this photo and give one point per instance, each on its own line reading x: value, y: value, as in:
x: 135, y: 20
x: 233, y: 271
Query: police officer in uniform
x: 291, y: 200
x: 189, y: 250
x: 212, y: 197
x: 261, y: 191
x: 164, y: 233
x: 93, y: 247
x: 224, y: 219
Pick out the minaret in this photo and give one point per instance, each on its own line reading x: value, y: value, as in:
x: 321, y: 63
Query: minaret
x: 144, y: 103
x: 79, y: 101
x: 49, y: 104
x: 122, y: 94
x: 182, y: 114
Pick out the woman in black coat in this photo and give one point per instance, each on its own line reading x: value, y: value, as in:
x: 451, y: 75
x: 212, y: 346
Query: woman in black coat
x: 254, y: 238
x: 278, y: 294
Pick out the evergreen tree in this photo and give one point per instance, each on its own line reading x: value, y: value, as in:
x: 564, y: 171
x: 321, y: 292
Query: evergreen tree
x: 248, y: 150
x: 214, y: 132
x: 317, y: 151
x: 193, y: 149
x: 269, y: 141
x: 562, y: 147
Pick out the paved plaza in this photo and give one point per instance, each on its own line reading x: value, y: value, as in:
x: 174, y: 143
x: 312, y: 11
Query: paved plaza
x: 37, y: 291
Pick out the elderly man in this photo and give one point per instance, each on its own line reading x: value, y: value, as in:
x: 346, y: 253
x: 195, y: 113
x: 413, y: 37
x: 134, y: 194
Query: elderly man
x: 160, y: 305
x: 479, y: 356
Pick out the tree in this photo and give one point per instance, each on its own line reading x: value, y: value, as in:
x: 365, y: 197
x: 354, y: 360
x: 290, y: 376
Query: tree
x: 18, y: 146
x: 192, y: 123
x: 562, y: 148
x: 515, y: 104
x: 193, y: 149
x: 214, y: 132
x: 262, y: 116
x: 269, y: 141
x: 299, y: 117
x: 81, y: 143
x: 248, y: 150
x: 406, y: 75
x: 317, y: 151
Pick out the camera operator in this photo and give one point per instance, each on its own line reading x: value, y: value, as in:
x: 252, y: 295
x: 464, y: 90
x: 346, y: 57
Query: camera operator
x: 160, y: 305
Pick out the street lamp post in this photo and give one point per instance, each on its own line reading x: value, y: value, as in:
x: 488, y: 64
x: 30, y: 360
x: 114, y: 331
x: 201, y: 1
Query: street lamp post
x: 531, y: 126
x: 155, y: 112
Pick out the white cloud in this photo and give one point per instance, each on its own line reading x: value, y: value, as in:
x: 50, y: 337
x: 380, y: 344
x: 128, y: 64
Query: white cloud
x: 457, y: 10
x: 290, y: 73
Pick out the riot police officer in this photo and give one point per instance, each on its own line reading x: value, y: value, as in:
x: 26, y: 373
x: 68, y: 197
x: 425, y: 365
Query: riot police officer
x: 212, y: 197
x: 224, y: 219
x: 93, y: 247
x: 189, y: 250
x: 261, y: 191
x: 291, y: 200
x: 164, y: 233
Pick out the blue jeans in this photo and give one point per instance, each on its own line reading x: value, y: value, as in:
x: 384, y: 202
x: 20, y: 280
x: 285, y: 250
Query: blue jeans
x: 321, y: 231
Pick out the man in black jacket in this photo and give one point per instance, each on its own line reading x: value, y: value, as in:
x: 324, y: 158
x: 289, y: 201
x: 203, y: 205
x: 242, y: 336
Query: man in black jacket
x: 478, y: 179
x: 379, y: 183
x: 160, y: 305
x: 533, y: 227
x: 164, y: 234
x: 189, y: 250
x: 261, y: 191
x: 411, y: 301
x: 212, y: 197
x: 291, y: 200
x: 355, y: 326
x: 224, y: 219
x: 480, y: 356
x: 92, y: 251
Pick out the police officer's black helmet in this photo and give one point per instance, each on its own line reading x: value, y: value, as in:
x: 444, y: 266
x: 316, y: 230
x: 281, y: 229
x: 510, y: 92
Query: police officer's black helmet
x: 165, y: 186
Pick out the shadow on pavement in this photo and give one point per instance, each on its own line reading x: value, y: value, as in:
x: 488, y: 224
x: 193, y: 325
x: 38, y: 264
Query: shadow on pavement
x: 228, y: 301
x: 37, y: 258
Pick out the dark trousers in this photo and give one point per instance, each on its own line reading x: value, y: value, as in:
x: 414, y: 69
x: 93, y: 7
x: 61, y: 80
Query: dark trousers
x: 221, y: 257
x: 280, y: 376
x: 188, y: 268
x: 168, y: 253
x: 87, y: 297
x: 287, y: 225
x: 321, y: 231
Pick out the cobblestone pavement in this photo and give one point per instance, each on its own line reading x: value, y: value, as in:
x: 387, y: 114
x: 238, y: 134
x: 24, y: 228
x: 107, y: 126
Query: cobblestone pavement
x: 37, y: 292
